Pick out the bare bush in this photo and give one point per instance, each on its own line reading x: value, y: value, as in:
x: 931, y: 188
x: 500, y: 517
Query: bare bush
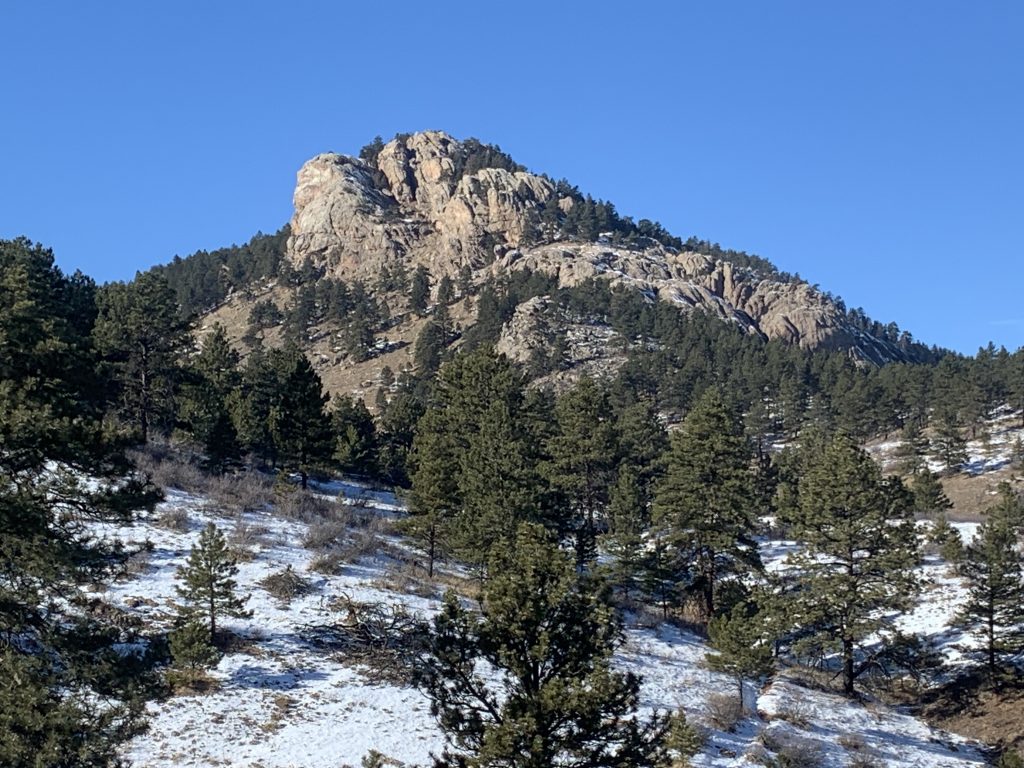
x: 792, y: 751
x: 138, y: 563
x: 386, y: 638
x: 328, y: 562
x: 320, y: 536
x: 175, y: 473
x: 174, y: 519
x: 305, y: 507
x: 724, y: 710
x: 243, y: 492
x: 286, y: 584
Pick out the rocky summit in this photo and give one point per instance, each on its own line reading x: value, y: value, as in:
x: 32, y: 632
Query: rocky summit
x: 419, y: 202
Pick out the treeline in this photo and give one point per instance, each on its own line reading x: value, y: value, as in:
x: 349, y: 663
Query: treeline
x: 682, y: 514
x: 69, y: 694
x: 204, y: 279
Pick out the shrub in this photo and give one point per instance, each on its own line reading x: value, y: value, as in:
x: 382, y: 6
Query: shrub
x: 321, y: 536
x: 791, y: 751
x: 724, y: 710
x: 328, y: 563
x: 174, y: 518
x: 286, y: 585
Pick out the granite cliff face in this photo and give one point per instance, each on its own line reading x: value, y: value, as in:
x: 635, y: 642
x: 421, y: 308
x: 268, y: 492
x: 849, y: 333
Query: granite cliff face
x: 419, y: 205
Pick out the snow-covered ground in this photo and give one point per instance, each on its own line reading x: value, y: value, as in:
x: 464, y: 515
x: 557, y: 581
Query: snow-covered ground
x: 283, y: 703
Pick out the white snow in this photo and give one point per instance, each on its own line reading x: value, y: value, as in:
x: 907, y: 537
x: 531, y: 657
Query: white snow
x: 285, y: 704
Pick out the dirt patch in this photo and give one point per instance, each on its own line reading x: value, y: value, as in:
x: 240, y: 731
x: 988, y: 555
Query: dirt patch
x: 978, y: 709
x: 973, y: 494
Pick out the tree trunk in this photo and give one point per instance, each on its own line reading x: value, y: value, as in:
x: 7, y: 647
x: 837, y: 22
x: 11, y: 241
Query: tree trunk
x: 848, y: 666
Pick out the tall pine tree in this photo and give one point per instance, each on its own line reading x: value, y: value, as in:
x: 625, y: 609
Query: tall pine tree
x: 704, y: 505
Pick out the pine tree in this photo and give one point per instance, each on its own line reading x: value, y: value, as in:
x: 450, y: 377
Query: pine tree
x: 142, y: 338
x: 913, y: 449
x: 949, y: 444
x: 355, y: 448
x: 434, y: 498
x: 191, y: 648
x: 209, y: 399
x: 419, y: 291
x: 298, y: 423
x: 704, y: 502
x: 256, y: 396
x: 582, y: 462
x: 993, y: 567
x: 741, y: 645
x: 861, y: 550
x: 65, y: 693
x: 929, y: 497
x: 549, y: 634
x: 207, y: 582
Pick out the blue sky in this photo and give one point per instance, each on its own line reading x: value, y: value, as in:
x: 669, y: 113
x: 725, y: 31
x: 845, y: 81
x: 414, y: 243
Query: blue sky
x: 876, y: 148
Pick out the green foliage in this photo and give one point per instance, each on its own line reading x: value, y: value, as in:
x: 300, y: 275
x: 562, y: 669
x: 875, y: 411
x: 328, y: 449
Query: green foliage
x: 861, y: 549
x: 947, y: 539
x: 741, y: 645
x: 60, y: 676
x: 993, y: 568
x: 419, y: 290
x: 484, y: 433
x: 299, y: 425
x: 582, y: 462
x: 550, y: 634
x: 355, y: 433
x: 929, y: 497
x: 191, y: 649
x: 207, y: 585
x: 209, y: 398
x: 204, y: 279
x: 703, y: 504
x: 142, y: 338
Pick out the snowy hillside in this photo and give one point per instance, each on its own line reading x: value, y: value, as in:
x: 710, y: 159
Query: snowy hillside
x: 284, y: 703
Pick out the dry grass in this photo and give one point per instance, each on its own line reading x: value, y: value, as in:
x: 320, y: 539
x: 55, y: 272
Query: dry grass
x: 972, y: 495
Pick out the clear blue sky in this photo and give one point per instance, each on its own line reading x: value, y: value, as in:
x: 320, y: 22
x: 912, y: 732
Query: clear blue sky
x: 877, y: 148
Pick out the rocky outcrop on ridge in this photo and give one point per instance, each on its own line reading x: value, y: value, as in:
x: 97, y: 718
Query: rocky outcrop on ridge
x: 418, y: 206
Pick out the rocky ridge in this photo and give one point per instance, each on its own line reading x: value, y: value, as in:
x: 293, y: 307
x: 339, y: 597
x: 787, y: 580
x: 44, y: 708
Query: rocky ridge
x: 416, y: 205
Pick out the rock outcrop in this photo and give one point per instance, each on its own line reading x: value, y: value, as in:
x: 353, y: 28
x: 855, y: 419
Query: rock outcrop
x: 417, y: 205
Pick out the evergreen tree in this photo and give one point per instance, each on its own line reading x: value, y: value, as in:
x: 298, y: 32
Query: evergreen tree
x: 949, y: 444
x: 993, y: 567
x: 741, y: 645
x: 208, y: 400
x: 355, y: 448
x: 191, y: 649
x: 257, y: 394
x: 704, y: 502
x: 550, y: 635
x: 947, y: 539
x: 582, y: 462
x: 61, y: 676
x: 419, y: 290
x: 207, y: 582
x: 929, y: 497
x: 913, y: 449
x: 434, y: 498
x: 298, y: 424
x: 142, y: 338
x: 431, y: 343
x: 861, y: 550
x: 445, y: 291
